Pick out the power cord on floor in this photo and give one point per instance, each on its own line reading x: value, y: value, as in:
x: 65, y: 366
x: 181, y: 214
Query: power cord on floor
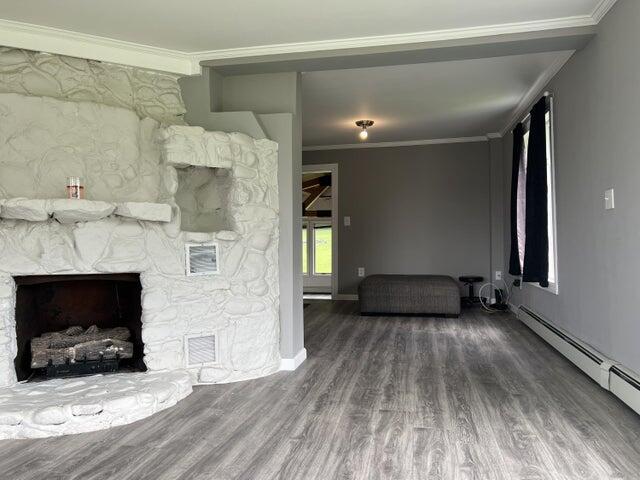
x: 485, y: 305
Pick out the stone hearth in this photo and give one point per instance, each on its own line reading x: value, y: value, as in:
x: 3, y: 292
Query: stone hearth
x: 86, y: 404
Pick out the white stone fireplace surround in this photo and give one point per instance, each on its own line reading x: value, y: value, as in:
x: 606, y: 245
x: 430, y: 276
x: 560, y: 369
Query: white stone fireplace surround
x: 141, y: 179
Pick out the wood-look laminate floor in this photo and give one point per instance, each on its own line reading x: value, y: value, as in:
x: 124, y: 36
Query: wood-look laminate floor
x: 480, y: 397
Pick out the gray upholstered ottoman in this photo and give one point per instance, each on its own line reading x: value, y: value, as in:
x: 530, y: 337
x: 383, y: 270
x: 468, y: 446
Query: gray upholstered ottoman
x: 409, y: 294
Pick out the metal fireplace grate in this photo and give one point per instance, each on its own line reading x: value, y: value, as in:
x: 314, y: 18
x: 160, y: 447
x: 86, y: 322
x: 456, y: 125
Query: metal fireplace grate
x: 82, y: 367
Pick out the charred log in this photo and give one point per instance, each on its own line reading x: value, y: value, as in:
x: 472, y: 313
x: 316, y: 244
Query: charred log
x: 77, y: 344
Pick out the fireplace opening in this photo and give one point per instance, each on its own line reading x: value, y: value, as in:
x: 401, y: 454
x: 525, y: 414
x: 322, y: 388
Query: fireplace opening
x: 68, y: 325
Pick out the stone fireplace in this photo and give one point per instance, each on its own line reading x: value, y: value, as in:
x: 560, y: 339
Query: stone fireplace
x: 153, y: 187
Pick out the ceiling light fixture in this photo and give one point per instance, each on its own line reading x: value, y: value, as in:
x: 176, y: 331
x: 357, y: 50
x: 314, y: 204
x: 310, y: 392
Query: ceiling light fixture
x: 364, y: 124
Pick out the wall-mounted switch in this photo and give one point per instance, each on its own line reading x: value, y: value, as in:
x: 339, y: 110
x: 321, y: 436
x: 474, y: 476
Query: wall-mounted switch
x: 347, y: 221
x: 498, y: 275
x: 609, y: 200
x: 361, y: 271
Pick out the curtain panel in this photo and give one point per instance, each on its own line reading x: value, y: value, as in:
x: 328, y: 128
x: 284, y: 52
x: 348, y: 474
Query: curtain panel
x: 516, y: 166
x: 529, y: 256
x: 536, y: 250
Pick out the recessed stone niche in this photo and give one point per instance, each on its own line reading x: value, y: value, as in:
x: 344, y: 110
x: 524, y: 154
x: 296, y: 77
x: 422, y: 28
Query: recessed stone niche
x: 203, y: 198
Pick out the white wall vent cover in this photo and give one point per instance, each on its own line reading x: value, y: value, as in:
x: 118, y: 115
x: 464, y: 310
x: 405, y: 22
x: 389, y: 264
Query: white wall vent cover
x: 202, y: 259
x: 201, y: 349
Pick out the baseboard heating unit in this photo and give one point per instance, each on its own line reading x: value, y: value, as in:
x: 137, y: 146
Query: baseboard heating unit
x: 610, y: 374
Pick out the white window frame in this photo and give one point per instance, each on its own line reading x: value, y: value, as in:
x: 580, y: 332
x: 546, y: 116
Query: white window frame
x: 552, y: 213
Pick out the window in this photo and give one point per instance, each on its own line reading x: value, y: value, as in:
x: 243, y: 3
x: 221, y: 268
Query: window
x: 551, y: 195
x: 322, y: 249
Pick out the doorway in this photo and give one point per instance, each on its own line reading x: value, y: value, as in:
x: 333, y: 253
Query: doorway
x: 319, y: 229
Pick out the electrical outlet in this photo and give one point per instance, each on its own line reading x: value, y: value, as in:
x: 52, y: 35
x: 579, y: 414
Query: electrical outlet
x: 347, y: 221
x: 361, y: 271
x: 498, y: 275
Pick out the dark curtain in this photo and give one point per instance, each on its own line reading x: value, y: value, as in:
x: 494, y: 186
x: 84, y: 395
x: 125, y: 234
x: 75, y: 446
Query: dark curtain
x: 518, y: 147
x: 536, y: 251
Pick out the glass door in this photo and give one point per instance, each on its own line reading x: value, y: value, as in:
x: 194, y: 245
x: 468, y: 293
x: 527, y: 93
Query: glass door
x: 317, y: 255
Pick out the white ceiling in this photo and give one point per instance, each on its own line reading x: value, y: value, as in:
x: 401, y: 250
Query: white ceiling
x: 441, y: 100
x: 410, y: 102
x: 205, y: 25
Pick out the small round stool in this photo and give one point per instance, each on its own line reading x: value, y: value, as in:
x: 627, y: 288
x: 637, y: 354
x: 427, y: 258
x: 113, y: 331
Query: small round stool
x: 468, y: 281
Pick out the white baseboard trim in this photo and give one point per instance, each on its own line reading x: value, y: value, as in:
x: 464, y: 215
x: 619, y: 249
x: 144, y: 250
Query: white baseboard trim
x: 608, y: 373
x: 513, y: 308
x: 317, y: 289
x: 291, y: 364
x: 624, y: 388
x: 347, y: 296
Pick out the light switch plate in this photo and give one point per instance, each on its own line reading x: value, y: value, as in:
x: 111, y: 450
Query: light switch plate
x: 609, y: 199
x: 498, y: 275
x: 347, y: 221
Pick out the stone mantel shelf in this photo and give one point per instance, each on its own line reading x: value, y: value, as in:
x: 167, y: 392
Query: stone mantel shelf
x: 71, y: 211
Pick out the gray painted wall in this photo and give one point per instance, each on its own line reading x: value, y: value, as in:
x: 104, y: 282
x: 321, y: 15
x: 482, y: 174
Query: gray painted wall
x: 422, y: 209
x: 280, y: 127
x: 597, y: 106
x: 261, y: 93
x: 198, y: 98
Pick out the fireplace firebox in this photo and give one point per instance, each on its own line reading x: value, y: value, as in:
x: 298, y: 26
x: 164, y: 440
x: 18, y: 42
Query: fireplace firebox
x: 92, y: 308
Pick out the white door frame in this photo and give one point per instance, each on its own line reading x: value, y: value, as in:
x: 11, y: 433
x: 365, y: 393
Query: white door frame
x: 333, y: 168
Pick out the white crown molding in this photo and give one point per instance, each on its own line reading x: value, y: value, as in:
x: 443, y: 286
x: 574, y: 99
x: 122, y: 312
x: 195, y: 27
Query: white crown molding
x: 602, y: 9
x: 65, y: 42
x: 530, y: 97
x: 73, y: 44
x: 409, y: 143
x: 398, y: 39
